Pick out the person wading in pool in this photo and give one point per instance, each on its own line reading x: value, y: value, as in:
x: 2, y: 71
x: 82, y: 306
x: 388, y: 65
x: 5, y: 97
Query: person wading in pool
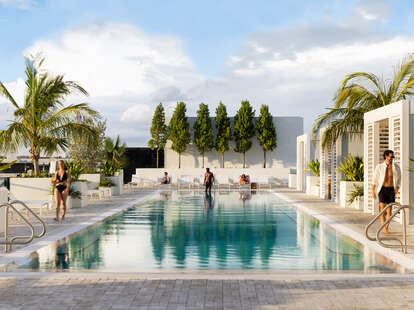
x: 208, y: 180
x: 62, y: 181
x: 386, y: 183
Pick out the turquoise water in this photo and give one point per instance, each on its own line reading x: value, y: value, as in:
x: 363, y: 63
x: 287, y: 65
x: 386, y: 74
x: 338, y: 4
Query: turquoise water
x: 223, y: 231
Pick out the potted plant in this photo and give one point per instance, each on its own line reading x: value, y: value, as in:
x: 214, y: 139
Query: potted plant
x: 73, y: 198
x: 356, y: 197
x: 105, y: 184
x: 76, y: 168
x: 108, y: 170
x: 353, y: 170
x: 313, y: 181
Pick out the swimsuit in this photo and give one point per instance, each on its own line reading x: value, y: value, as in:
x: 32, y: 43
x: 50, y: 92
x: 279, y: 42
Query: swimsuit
x: 386, y: 194
x: 61, y: 187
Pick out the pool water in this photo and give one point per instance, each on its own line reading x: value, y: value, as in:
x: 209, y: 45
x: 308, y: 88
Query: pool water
x: 223, y: 231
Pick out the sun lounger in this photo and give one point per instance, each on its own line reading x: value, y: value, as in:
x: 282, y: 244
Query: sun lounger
x: 222, y: 182
x: 186, y: 181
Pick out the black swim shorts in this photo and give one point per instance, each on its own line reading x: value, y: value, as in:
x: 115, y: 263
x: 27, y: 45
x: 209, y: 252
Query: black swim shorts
x: 386, y: 194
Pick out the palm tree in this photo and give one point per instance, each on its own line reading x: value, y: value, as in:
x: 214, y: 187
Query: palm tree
x: 42, y: 123
x: 114, y: 151
x: 361, y: 92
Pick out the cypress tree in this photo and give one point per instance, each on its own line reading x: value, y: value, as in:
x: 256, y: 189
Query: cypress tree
x: 159, y: 131
x: 266, y: 131
x: 203, y: 132
x: 244, y: 129
x: 179, y: 130
x: 223, y: 131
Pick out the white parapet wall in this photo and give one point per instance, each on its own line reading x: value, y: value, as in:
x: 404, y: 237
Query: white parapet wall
x: 4, y: 197
x: 233, y: 174
x: 283, y: 157
x: 92, y: 179
x: 390, y: 127
x: 30, y: 188
x: 304, y: 154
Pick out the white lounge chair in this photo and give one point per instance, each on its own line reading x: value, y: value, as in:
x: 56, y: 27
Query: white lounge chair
x: 36, y: 204
x: 222, y: 181
x: 185, y: 181
x: 262, y: 182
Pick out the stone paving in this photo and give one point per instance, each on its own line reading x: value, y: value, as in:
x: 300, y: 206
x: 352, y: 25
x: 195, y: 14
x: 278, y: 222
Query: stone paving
x: 100, y: 291
x: 207, y: 289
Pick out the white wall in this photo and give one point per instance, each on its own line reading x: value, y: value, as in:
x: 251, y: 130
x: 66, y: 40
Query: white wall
x: 284, y: 157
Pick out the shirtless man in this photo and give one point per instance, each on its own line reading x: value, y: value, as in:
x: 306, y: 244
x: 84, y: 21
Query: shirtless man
x: 208, y: 180
x: 386, y: 183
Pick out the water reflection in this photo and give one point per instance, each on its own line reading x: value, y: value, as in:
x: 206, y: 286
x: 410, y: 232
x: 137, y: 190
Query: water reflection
x: 213, y: 232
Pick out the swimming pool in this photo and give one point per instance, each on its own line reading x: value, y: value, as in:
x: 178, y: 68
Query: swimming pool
x: 226, y: 231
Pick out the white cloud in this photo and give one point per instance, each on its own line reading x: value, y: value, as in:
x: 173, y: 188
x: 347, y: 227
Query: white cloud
x: 138, y: 113
x: 19, y: 4
x: 373, y: 10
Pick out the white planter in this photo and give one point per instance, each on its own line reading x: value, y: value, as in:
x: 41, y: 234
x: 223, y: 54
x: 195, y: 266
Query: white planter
x: 345, y: 190
x: 358, y: 203
x: 92, y: 178
x: 120, y: 174
x: 69, y: 203
x: 118, y: 188
x: 30, y: 188
x: 292, y: 180
x: 81, y: 187
x: 312, y: 185
x: 4, y: 197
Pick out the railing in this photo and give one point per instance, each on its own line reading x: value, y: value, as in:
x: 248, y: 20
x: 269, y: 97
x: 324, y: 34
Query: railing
x: 403, y: 243
x: 8, y: 244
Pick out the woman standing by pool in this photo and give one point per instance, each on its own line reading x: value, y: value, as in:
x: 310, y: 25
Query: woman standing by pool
x: 62, y: 181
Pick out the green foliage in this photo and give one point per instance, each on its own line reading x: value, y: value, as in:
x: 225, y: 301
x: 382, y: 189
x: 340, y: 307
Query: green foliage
x: 42, y: 174
x: 361, y: 92
x: 89, y: 151
x: 357, y: 192
x: 105, y: 182
x: 223, y: 126
x: 114, y: 152
x: 314, y: 167
x: 159, y: 130
x: 42, y: 123
x: 74, y: 194
x: 266, y: 131
x: 203, y: 132
x: 179, y: 130
x: 244, y: 129
x: 411, y: 169
x: 109, y: 168
x: 75, y: 168
x: 353, y: 168
x: 6, y: 166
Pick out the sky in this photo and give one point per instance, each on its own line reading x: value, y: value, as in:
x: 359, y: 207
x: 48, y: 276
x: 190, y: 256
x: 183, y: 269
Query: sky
x: 131, y: 55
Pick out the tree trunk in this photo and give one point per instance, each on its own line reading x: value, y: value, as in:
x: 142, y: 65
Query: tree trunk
x: 35, y: 160
x: 203, y: 159
x: 157, y: 158
x: 244, y: 159
x: 264, y: 155
x: 222, y: 160
x: 179, y: 160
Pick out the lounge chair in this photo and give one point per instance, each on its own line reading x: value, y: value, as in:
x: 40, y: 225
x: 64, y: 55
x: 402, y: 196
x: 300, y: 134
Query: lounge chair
x: 222, y: 182
x: 186, y: 181
x: 36, y: 204
x: 262, y: 182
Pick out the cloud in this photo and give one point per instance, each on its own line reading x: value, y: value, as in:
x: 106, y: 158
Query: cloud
x: 126, y: 71
x: 139, y: 113
x: 19, y: 4
x: 373, y: 10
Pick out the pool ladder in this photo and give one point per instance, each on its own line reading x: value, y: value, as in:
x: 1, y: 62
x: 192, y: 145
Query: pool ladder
x: 19, y: 240
x: 379, y: 239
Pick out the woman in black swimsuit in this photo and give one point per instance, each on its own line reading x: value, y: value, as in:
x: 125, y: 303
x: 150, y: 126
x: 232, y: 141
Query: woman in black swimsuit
x: 62, y: 181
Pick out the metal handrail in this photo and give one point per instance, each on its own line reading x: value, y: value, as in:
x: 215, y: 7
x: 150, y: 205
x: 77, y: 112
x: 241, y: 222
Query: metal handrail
x: 34, y: 214
x: 8, y: 244
x: 403, y: 244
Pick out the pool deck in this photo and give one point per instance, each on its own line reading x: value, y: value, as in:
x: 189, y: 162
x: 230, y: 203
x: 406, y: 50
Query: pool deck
x: 206, y: 289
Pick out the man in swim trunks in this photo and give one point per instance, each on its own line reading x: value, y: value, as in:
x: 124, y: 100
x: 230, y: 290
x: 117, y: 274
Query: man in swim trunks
x: 208, y: 180
x: 386, y: 183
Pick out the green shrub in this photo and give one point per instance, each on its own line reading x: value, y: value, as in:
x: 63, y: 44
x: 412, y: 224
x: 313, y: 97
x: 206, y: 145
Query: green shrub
x: 76, y: 168
x: 357, y: 192
x: 314, y: 167
x: 109, y: 168
x: 353, y: 168
x: 74, y: 194
x: 105, y: 182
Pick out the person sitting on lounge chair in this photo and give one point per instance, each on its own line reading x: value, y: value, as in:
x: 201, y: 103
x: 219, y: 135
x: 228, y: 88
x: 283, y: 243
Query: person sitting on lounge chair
x: 165, y: 179
x: 244, y: 179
